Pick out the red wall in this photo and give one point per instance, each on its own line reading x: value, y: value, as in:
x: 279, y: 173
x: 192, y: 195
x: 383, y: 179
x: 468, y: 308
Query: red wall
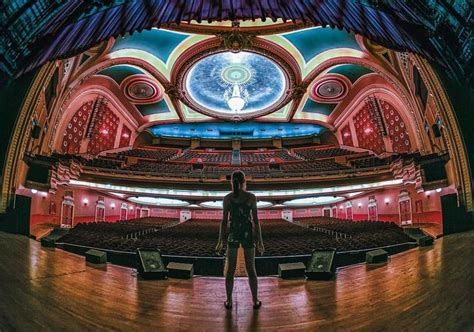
x: 428, y: 208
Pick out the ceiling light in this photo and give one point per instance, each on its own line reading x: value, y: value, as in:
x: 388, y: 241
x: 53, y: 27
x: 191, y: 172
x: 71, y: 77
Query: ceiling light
x: 236, y: 103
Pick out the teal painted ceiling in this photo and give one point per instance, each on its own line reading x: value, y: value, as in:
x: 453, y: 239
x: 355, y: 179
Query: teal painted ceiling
x: 160, y: 43
x: 313, y: 41
x: 119, y: 73
x: 314, y: 107
x: 352, y: 72
x: 156, y: 108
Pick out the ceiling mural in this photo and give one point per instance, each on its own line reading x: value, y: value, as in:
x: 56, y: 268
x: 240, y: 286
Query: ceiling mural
x: 221, y: 72
x: 235, y: 83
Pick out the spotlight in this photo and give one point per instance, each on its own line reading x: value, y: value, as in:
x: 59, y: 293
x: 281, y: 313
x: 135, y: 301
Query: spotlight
x: 359, y: 205
x: 439, y: 190
x: 85, y: 201
x: 387, y: 200
x: 34, y: 191
x: 112, y: 206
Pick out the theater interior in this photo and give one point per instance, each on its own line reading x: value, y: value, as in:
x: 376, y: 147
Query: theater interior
x: 122, y: 123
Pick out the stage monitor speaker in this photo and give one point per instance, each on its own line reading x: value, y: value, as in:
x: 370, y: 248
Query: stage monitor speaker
x: 96, y: 256
x: 436, y: 130
x: 51, y: 238
x: 376, y: 256
x: 425, y: 241
x: 36, y: 131
x: 291, y: 270
x: 150, y: 264
x: 321, y: 266
x: 17, y: 218
x: 180, y: 270
x: 455, y: 218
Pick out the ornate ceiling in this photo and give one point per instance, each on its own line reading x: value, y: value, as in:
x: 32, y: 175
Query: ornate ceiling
x: 258, y: 72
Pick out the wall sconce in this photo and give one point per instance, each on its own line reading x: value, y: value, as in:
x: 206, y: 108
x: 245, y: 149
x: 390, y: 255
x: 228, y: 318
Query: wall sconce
x: 439, y: 190
x: 341, y: 207
x: 44, y: 194
x: 112, y: 206
x: 359, y: 205
x: 387, y: 201
x: 131, y: 207
x: 85, y: 201
x: 34, y: 191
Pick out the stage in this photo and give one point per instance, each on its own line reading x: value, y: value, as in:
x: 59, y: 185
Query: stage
x: 423, y: 288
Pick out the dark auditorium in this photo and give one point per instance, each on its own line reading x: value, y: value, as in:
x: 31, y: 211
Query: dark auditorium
x: 236, y: 165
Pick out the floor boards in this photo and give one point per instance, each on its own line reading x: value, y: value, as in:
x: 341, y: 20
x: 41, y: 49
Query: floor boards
x: 422, y: 289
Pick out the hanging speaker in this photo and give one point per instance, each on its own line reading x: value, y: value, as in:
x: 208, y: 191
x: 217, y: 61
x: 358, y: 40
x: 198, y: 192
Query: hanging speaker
x: 436, y: 130
x: 36, y: 131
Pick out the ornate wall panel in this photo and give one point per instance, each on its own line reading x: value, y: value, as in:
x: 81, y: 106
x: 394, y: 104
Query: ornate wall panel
x: 347, y: 136
x: 396, y: 128
x: 104, y: 131
x: 76, y: 129
x: 368, y: 131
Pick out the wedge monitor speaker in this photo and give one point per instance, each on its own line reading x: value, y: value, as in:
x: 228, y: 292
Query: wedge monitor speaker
x: 376, y: 256
x: 291, y: 270
x: 180, y: 270
x: 321, y: 265
x: 96, y: 256
x: 150, y: 264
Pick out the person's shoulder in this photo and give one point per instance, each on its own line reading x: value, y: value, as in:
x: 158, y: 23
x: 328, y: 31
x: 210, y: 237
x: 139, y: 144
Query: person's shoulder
x: 251, y: 196
x: 227, y: 197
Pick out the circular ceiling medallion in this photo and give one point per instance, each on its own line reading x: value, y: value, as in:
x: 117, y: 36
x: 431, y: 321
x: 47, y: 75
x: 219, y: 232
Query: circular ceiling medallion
x: 331, y: 88
x: 236, y: 74
x: 235, y: 86
x: 141, y: 89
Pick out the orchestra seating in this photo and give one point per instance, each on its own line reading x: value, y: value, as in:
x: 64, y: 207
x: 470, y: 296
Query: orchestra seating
x: 199, y: 237
x: 361, y: 234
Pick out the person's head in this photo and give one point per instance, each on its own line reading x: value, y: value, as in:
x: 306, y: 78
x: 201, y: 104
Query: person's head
x: 238, y: 181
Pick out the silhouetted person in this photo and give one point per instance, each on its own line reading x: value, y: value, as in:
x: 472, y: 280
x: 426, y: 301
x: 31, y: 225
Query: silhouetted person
x: 240, y: 207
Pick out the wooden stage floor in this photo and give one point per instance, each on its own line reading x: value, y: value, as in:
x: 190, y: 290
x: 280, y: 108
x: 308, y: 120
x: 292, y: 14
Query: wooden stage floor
x: 422, y: 289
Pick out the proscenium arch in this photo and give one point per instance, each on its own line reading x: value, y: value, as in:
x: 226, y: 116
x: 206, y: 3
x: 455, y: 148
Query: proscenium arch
x: 454, y: 139
x: 18, y: 140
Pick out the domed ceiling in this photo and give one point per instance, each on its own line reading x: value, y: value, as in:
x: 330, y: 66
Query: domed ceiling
x: 235, y: 83
x: 217, y: 73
